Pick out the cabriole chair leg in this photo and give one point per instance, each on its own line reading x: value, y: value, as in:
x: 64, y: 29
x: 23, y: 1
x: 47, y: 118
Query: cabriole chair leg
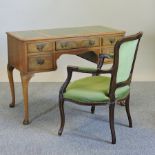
x: 111, y: 121
x: 92, y: 109
x: 62, y: 115
x: 128, y: 111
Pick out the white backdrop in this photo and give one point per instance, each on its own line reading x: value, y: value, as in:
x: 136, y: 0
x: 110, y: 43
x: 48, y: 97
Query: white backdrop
x: 129, y: 15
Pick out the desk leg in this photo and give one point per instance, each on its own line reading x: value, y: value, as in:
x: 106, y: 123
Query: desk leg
x: 11, y: 82
x: 25, y: 78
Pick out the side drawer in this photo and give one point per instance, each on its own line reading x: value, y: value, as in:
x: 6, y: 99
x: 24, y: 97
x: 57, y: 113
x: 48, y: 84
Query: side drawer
x: 40, y: 46
x: 67, y: 44
x: 40, y: 62
x: 110, y: 40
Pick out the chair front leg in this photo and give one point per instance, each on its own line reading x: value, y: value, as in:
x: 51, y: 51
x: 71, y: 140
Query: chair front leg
x: 128, y: 111
x: 62, y: 114
x: 111, y: 121
x: 67, y: 81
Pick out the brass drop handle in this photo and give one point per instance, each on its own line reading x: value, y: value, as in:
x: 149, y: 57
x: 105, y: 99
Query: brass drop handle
x: 112, y: 40
x: 64, y: 45
x: 40, y: 46
x: 91, y: 42
x: 40, y: 61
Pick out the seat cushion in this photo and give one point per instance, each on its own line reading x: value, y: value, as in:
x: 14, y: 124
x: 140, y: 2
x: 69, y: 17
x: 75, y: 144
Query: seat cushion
x: 92, y: 90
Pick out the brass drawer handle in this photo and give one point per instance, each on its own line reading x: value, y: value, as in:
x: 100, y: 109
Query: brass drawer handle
x: 112, y: 40
x: 91, y: 42
x: 40, y: 61
x: 40, y: 46
x: 64, y: 45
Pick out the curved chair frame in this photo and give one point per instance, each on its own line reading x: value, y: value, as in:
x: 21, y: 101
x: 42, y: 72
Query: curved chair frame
x: 113, y: 84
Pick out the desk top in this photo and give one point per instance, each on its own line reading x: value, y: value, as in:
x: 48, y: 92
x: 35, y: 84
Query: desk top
x: 62, y: 32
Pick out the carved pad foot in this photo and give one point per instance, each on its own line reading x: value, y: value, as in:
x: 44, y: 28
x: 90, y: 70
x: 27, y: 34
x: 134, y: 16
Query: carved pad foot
x: 130, y: 125
x: 26, y: 122
x: 93, y: 109
x: 60, y: 132
x: 113, y: 142
x: 11, y: 105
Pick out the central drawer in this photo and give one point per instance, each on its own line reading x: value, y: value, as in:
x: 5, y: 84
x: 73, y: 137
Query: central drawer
x: 110, y: 40
x: 40, y: 62
x: 73, y: 43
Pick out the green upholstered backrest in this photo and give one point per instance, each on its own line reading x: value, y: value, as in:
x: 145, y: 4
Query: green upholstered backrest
x: 126, y: 57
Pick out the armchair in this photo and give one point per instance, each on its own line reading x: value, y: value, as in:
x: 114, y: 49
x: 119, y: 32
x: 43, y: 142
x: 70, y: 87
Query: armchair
x: 99, y: 90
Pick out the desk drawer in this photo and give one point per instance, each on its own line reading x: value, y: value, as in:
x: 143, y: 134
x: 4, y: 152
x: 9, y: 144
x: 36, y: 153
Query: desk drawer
x: 39, y: 63
x: 40, y: 47
x: 108, y: 50
x: 110, y: 40
x: 67, y: 44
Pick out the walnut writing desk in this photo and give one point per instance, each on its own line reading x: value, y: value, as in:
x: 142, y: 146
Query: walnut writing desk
x: 38, y: 50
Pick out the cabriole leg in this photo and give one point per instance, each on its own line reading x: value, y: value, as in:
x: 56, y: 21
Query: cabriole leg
x: 11, y: 82
x: 128, y: 111
x: 111, y: 121
x: 25, y: 78
x: 62, y: 115
x: 92, y: 109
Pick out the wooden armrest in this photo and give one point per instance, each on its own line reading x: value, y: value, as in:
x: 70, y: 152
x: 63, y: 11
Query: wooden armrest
x: 82, y: 69
x: 102, y: 57
x: 87, y: 70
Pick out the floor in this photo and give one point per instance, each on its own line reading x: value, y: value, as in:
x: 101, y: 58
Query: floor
x: 84, y: 133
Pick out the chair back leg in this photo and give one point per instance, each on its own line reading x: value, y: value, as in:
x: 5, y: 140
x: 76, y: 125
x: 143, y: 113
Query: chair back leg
x: 128, y: 111
x: 92, y: 109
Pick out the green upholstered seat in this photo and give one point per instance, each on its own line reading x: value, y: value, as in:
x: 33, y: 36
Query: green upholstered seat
x: 93, y: 89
